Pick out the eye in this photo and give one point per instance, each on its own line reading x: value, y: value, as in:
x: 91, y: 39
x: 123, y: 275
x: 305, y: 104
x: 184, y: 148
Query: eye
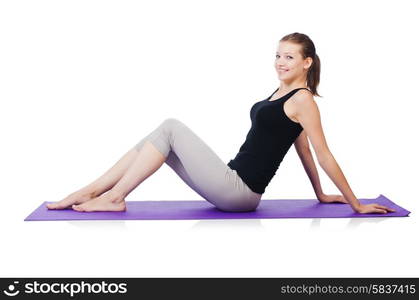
x: 287, y: 56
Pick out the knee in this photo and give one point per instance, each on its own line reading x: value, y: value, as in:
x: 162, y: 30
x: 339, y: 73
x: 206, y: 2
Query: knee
x: 171, y: 122
x: 170, y: 125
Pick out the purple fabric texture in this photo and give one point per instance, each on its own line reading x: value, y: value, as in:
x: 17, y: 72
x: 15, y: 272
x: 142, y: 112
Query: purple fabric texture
x: 201, y: 209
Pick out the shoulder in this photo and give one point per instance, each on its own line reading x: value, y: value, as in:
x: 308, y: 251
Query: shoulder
x: 302, y: 94
x: 305, y: 106
x: 304, y: 99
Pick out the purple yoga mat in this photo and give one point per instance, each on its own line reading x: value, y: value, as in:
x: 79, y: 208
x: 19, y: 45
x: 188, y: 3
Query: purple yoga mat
x: 197, y: 210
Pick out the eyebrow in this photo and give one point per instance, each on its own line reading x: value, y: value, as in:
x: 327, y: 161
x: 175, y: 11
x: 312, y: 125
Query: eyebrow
x: 285, y: 52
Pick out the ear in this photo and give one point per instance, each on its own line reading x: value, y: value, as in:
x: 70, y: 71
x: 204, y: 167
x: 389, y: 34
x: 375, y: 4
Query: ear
x: 308, y: 62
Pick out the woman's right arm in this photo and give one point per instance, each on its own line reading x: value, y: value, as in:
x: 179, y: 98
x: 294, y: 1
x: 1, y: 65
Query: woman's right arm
x: 303, y: 150
x: 308, y: 115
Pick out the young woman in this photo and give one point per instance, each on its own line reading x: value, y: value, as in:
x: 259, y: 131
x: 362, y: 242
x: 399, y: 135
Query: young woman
x: 289, y: 116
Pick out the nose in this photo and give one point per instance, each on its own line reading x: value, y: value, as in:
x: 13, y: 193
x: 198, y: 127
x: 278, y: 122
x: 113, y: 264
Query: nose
x: 278, y: 61
x: 279, y: 64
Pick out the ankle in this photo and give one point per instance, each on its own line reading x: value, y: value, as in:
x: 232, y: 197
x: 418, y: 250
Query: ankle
x: 118, y: 196
x: 92, y: 190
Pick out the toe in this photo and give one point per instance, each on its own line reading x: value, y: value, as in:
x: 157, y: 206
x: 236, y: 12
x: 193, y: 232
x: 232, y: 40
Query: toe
x: 81, y: 207
x: 76, y: 207
x: 57, y: 205
x: 51, y: 205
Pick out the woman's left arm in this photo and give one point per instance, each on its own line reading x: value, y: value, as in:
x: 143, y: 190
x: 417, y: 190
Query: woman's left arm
x: 308, y: 115
x: 302, y: 147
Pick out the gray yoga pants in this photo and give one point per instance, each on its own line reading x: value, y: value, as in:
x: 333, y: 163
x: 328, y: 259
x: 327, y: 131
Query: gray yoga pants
x: 200, y: 167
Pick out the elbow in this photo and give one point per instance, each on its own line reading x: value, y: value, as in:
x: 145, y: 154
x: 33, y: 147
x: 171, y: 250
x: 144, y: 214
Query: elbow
x: 303, y: 150
x: 323, y: 157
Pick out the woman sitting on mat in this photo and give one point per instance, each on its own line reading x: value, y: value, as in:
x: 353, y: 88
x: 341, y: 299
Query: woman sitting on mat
x: 237, y: 186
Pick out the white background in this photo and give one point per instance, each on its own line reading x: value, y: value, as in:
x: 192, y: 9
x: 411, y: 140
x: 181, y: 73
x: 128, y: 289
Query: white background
x: 81, y: 82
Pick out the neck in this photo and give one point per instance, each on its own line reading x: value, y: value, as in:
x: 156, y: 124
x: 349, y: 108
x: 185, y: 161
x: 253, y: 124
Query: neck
x: 290, y: 85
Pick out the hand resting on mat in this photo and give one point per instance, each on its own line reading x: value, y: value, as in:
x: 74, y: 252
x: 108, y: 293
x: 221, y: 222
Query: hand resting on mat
x: 362, y: 209
x: 373, y: 208
x: 332, y: 199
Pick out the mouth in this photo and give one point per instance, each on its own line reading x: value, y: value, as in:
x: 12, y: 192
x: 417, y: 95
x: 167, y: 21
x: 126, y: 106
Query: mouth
x: 283, y: 70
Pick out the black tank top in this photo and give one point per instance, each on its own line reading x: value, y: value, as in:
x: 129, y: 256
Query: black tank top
x: 271, y: 135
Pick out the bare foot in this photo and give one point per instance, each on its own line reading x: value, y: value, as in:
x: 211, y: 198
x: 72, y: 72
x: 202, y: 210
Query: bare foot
x: 78, y: 197
x: 106, y: 202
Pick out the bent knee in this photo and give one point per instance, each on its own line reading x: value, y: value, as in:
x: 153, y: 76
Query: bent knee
x: 171, y: 122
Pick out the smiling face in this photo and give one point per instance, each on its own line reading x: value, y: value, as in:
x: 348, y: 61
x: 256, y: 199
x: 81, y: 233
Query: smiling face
x: 289, y: 62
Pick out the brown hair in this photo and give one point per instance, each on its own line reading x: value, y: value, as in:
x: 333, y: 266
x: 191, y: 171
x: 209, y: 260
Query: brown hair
x: 308, y: 50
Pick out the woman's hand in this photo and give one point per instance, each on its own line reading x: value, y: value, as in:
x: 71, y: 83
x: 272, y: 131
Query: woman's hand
x: 332, y: 199
x: 373, y: 208
x: 362, y: 208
